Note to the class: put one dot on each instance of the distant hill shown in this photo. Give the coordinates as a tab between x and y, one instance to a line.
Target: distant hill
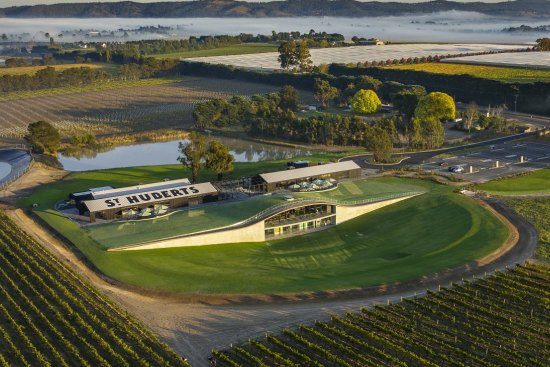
293	8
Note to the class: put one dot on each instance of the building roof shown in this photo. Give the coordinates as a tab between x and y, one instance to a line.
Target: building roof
313	171
157	194
105	192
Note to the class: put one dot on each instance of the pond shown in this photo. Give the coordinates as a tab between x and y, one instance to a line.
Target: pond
5	169
149	154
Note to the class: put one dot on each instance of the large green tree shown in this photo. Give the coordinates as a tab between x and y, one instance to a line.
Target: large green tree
406	100
379	142
193	153
426	133
303	57
324	92
543	44
287	54
436	105
365	101
218	158
43	137
290	99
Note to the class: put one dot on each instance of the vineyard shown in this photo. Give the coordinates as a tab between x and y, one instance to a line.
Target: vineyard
120	110
506	74
51	317
501	320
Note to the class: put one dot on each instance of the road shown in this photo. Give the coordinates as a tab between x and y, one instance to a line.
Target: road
416	158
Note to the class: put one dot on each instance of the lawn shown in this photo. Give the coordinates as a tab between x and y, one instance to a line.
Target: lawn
535	182
423	235
239	49
505	74
31	70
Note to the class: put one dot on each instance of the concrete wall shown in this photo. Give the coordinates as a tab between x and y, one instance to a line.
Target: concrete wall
252	233
347	212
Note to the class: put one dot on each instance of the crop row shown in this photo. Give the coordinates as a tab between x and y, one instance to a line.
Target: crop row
119	110
502	320
49	316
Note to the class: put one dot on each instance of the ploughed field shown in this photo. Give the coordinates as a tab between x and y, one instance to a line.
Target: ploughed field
498	321
49	316
119	108
430	233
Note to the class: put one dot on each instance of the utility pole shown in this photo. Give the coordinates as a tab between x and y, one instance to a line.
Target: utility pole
516	102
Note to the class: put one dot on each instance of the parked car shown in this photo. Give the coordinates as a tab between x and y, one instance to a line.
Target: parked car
456	169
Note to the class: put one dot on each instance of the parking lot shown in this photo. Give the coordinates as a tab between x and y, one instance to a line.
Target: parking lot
487	163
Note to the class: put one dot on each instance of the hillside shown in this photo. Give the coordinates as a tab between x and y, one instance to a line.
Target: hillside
231	8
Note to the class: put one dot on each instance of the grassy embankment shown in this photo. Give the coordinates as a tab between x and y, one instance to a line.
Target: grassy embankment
504	74
531	183
239	49
536	211
427	234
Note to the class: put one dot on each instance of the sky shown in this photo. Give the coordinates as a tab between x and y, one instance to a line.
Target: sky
6	3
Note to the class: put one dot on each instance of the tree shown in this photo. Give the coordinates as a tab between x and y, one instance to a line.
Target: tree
470	115
368	82
426	133
287	54
218	158
543	44
303	57
193	153
365	101
290	99
379	142
43	137
437	105
324	92
406	100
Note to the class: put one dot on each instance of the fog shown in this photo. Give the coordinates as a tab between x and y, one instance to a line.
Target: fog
450	26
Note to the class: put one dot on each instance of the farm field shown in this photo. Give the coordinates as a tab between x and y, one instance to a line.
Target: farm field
539	60
239	49
49	316
31	70
138	107
535	182
355	54
505	74
501	320
536	211
398	240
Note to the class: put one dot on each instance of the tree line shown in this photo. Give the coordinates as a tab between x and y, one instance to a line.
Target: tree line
49	77
275	115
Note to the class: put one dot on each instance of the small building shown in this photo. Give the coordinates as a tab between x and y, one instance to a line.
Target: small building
281	180
371	42
148	200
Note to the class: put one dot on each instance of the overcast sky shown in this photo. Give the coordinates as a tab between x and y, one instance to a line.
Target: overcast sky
5	3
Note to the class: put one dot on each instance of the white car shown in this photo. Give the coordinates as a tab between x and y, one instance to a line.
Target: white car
456	169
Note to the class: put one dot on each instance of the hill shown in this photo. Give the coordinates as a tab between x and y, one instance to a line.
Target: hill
295	8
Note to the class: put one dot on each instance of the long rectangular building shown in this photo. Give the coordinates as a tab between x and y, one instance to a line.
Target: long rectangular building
282	179
148	200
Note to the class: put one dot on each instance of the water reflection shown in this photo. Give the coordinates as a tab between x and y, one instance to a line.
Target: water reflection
5	169
167	153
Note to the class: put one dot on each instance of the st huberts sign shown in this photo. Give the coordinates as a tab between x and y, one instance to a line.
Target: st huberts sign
151	196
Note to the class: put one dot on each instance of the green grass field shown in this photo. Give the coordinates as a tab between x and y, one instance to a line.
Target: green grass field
426	234
505	74
535	182
239	49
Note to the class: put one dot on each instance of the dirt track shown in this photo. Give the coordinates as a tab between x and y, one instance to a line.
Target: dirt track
193	329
